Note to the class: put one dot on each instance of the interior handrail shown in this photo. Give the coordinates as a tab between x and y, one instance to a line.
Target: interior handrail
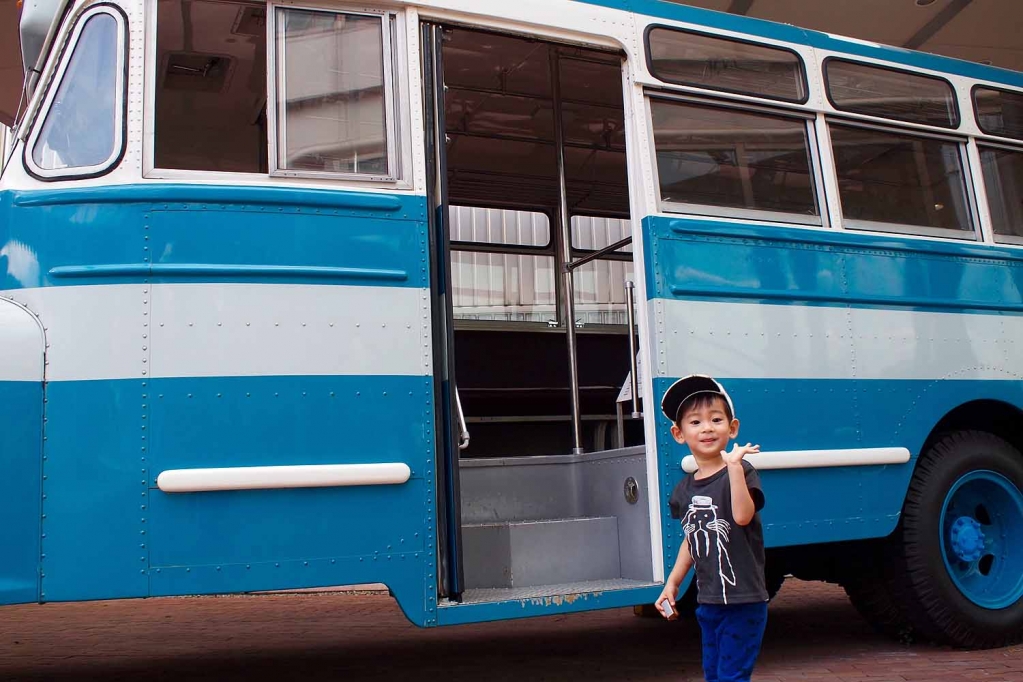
597	254
463	429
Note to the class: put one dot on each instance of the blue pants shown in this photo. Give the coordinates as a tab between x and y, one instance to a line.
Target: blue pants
731	639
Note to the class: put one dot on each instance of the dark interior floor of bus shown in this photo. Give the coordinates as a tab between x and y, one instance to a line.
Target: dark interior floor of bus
538	520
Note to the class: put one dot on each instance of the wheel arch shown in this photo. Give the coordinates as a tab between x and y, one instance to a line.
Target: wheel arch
997	417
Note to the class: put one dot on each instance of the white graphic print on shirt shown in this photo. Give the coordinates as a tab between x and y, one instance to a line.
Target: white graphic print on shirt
701	525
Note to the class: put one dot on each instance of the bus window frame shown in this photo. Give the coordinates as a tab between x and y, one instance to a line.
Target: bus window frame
63	61
976	112
391	31
734	39
981	143
820	220
500	247
975	234
886	67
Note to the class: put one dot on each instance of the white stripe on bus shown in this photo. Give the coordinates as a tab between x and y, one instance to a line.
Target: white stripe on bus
755	341
124	331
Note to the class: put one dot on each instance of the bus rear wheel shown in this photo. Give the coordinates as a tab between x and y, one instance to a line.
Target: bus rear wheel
957	571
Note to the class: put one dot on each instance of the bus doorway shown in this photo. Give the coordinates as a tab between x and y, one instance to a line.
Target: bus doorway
544	491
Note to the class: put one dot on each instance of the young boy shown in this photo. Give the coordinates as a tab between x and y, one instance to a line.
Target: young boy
718	506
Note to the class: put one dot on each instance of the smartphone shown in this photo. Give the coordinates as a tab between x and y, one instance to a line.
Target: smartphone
668	611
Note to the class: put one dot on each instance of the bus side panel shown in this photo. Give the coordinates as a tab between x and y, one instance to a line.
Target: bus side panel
292	328
830	341
21	438
281	536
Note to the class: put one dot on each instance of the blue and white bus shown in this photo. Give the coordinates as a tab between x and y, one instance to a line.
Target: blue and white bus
314	293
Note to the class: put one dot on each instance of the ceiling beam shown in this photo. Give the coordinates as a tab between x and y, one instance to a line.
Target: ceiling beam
740	6
938	22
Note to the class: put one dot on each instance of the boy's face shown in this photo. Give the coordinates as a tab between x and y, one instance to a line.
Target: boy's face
706	429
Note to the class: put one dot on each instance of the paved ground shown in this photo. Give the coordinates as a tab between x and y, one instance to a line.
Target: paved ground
812	634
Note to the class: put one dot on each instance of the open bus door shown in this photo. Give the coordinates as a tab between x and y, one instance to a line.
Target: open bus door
541	512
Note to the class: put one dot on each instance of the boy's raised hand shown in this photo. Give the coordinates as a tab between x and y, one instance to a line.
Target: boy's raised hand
738	452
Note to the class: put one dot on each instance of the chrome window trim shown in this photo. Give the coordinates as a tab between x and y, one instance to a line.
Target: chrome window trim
770	108
842	120
912	230
54	85
277	121
698	210
817	163
999	144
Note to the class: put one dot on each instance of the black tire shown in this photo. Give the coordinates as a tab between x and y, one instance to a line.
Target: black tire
917	580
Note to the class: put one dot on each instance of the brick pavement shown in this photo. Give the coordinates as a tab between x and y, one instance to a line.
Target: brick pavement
813	634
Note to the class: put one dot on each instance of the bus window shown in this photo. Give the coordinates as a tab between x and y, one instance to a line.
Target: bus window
335	105
999	112
600	284
211	86
82	132
497	226
493	282
1003	180
899	182
714	62
710	156
890	93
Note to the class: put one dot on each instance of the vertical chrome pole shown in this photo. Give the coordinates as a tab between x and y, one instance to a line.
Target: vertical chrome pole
620	423
565	254
630	299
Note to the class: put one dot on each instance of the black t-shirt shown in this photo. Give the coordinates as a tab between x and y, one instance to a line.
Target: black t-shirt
729	558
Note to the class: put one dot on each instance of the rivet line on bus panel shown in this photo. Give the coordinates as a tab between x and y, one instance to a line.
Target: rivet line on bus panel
146	297
45	469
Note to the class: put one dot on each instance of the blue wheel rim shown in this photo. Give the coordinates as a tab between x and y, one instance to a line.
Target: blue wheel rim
982	538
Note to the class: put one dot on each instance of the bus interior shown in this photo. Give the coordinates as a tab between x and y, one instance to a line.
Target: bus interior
541	514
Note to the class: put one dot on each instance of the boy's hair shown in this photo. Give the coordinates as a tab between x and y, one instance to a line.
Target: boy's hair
699	400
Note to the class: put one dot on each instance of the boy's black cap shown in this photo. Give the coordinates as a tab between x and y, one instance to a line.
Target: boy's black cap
685	388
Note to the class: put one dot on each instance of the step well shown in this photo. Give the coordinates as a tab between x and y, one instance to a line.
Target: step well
533	553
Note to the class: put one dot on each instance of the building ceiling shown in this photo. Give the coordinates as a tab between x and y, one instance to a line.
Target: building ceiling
986	31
